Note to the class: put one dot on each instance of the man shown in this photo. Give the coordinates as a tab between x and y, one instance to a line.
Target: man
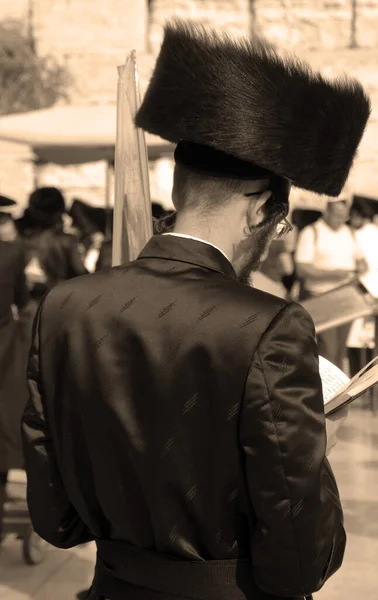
176	414
328	255
277	265
361	338
52	254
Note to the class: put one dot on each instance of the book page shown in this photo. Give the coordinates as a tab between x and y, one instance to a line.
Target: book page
368	379
340	306
339	390
365	369
370	282
333	379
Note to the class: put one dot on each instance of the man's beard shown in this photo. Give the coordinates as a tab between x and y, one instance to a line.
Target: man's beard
259	243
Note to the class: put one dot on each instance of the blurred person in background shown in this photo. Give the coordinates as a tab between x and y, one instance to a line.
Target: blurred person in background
365	230
52	255
278	265
361	339
95	226
104	260
105	255
8	230
300	218
96	242
13	360
328	255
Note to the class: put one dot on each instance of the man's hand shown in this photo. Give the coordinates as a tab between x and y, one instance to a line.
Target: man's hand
333	424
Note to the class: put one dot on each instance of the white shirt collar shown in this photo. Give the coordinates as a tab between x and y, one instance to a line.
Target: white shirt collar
190	237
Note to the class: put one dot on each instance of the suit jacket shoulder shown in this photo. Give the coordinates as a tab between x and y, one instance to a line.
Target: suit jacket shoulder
118	283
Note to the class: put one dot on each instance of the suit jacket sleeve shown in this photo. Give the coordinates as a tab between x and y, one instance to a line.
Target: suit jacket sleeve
299	540
53	516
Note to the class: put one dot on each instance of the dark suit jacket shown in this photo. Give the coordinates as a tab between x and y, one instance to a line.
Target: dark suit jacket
13	354
176	417
12	277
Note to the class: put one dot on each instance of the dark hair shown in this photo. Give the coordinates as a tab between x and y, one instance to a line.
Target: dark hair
157	210
165	223
362	209
274	212
46	207
207	194
48	199
201	191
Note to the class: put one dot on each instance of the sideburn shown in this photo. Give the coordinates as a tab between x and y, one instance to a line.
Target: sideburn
252	249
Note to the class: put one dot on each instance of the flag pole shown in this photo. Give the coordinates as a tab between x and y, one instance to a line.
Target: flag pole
132	227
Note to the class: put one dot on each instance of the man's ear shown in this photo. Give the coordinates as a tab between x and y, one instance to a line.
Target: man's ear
256	209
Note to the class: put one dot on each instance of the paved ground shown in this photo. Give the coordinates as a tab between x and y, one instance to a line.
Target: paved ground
355	461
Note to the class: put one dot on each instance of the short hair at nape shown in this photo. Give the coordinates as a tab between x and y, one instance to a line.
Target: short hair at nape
195	190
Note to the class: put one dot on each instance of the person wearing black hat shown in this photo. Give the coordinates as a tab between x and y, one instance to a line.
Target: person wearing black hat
52	254
13	361
13	355
176	414
362	212
95	233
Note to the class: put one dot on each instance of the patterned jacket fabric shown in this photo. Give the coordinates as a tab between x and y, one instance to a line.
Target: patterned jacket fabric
176	417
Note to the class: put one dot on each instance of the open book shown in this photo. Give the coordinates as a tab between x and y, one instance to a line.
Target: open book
342	305
338	389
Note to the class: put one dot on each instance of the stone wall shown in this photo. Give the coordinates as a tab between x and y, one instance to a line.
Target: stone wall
234	15
319	24
91	38
14	10
15	168
310	24
367	23
363	65
323	31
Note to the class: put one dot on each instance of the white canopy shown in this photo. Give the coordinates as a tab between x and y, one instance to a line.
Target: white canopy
71	134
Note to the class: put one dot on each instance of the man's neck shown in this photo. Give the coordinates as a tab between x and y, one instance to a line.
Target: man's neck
207	236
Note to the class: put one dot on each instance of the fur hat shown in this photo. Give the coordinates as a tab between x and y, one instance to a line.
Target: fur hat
242	98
